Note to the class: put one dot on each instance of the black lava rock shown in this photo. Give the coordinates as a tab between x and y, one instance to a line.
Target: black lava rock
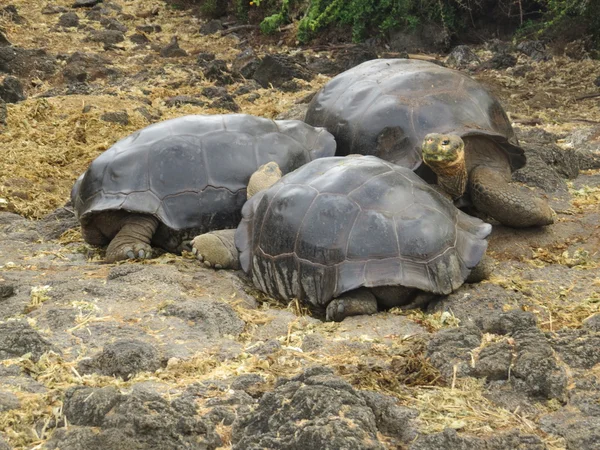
11	90
18	338
69	20
123	358
277	69
120	117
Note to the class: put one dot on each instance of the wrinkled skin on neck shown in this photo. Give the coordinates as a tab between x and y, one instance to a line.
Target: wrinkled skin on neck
445	154
485	172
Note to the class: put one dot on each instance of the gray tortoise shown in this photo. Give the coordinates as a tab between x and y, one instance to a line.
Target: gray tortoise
173	180
337	225
406	111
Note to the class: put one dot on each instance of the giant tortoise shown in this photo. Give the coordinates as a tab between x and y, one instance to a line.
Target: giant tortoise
178	178
336	225
406	111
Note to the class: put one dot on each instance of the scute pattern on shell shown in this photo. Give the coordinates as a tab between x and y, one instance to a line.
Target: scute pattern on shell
385	107
337	224
192	171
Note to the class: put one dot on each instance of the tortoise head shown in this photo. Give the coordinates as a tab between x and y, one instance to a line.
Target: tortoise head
265	176
443	150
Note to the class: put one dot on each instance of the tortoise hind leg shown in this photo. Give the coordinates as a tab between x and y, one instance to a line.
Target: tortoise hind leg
492	194
93	235
133	238
217	249
354	303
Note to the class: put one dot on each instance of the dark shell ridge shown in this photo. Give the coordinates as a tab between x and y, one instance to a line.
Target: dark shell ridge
385	107
192	172
337	224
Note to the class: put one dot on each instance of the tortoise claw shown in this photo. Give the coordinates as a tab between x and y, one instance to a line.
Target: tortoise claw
130	254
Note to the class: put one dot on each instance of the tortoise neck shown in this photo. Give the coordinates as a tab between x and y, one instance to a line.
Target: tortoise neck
452	177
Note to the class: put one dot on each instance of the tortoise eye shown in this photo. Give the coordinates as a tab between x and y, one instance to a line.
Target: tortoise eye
445	141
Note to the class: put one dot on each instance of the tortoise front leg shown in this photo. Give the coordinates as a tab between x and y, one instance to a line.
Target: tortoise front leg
217	249
133	238
492	194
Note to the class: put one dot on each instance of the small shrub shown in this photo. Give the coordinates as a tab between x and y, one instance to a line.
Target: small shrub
213	9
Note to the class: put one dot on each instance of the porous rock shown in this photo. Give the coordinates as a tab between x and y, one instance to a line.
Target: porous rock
215	318
332	414
245	63
8	401
493	362
226	102
211	27
53	9
11	90
123	358
278	69
142	420
12	13
112	24
578	348
586	143
585	395
216	70
172	49
536	50
474	304
538	173
535	368
580	432
18	338
539	143
449	439
106	37
26	62
462	57
69	20
7	290
139	38
450	348
53	225
392	419
88	405
120	117
501	60
149	28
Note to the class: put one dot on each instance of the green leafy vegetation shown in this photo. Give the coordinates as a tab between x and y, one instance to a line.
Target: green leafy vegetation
365	18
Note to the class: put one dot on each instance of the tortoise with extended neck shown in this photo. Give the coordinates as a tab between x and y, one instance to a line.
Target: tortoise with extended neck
349	235
173	180
408	111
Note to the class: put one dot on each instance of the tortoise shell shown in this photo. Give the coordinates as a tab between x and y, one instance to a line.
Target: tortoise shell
337	224
385	107
192	171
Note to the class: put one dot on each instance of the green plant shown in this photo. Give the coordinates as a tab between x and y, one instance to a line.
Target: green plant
361	15
213	8
241	9
273	22
560	10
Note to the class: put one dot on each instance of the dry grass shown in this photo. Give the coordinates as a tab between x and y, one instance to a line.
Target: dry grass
49	142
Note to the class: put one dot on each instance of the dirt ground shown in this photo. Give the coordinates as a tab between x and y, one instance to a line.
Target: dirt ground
169	354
